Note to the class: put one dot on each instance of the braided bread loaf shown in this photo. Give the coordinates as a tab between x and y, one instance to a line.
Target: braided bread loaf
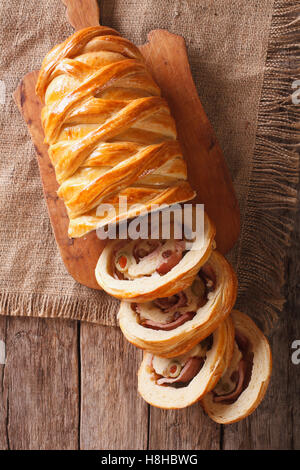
110	133
202	367
253	367
164	268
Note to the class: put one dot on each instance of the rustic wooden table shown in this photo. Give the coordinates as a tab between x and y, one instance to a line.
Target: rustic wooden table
67	385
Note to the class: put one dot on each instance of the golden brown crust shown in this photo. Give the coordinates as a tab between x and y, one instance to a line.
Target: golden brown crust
109	131
111	135
251	397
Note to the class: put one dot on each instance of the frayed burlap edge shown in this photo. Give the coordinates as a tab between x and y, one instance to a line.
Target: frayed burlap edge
63	307
272	192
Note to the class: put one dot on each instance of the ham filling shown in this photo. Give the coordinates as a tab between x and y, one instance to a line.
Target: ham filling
237	377
139	258
188	372
181	370
171	312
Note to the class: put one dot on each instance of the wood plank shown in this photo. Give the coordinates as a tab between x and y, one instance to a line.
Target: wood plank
40	384
113	416
187	429
292	318
207	169
4	444
269	427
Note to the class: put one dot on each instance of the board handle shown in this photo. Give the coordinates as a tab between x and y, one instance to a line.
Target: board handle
82	13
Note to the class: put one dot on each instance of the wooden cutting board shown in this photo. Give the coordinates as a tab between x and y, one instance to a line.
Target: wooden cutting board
166	57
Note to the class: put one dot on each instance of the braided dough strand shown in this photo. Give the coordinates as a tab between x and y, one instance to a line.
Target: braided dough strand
109	131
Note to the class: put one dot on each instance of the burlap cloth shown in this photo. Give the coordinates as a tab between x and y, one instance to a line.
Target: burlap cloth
242	58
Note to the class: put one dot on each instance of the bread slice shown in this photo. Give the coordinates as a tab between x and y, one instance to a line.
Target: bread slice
254	392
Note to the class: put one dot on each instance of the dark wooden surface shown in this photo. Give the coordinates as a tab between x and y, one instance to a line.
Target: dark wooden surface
69	386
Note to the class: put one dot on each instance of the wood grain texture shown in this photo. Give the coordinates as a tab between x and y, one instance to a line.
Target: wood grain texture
276	422
188	429
40	384
82	13
79	255
207	168
113	416
264	428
